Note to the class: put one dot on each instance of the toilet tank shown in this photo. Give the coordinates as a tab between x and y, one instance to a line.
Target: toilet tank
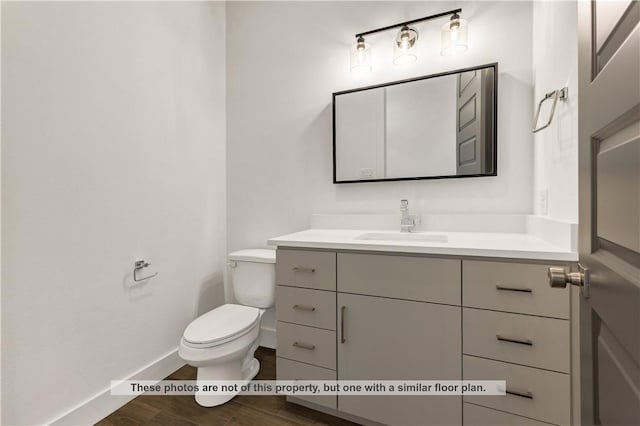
253	276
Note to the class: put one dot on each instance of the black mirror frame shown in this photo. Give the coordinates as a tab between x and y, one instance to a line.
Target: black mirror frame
493	65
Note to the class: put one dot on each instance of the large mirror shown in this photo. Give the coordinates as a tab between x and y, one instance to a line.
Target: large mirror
436	126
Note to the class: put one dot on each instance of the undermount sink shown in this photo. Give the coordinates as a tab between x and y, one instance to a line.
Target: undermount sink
404	236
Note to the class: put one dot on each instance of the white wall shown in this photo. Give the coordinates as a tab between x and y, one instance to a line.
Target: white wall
279	119
113	150
555	59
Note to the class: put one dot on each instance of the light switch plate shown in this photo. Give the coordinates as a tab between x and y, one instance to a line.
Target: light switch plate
544	201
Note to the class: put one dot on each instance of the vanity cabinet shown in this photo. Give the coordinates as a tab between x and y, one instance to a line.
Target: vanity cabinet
358	316
516	328
306	315
369	316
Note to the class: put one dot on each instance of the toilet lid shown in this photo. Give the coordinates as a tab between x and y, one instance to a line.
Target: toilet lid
221	323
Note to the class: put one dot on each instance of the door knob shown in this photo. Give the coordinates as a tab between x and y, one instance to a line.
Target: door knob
559	278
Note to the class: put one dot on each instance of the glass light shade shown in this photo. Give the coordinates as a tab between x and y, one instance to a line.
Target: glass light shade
454	37
361	57
404	47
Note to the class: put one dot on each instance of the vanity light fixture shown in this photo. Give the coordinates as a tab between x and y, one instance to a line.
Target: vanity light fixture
404	49
361	56
404	46
454	36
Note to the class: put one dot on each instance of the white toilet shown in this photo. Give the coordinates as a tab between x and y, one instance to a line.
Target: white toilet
221	343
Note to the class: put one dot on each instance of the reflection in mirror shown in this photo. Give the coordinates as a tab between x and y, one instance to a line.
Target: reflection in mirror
430	127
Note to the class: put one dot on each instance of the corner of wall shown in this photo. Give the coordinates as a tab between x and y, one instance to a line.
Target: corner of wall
555	61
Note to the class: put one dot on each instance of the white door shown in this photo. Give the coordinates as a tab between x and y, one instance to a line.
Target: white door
609	186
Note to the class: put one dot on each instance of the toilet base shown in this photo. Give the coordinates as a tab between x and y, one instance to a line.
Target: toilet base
225	372
230	361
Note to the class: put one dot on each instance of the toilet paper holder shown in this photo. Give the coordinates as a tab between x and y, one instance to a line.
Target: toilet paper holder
137	267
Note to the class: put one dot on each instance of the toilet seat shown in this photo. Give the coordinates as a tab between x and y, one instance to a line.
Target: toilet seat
220	325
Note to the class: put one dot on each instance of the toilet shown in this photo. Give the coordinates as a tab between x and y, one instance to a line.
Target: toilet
222	342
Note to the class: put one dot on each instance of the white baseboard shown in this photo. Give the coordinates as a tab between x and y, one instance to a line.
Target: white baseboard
268	337
102	404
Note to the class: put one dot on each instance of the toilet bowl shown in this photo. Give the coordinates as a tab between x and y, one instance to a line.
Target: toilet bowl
222	342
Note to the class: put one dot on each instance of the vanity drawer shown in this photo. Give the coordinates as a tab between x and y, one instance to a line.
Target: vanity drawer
306	268
306	344
292	370
474	415
400	277
506	337
315	308
512	287
549	392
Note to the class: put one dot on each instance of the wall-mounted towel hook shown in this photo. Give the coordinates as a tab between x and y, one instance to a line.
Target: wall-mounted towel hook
138	266
561	94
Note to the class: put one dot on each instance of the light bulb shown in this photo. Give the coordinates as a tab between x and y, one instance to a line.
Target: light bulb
405	46
454	36
361	56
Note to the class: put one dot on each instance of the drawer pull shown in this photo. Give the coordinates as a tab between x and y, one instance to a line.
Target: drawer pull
512	340
304	308
304	346
521	394
342	338
518	289
303	269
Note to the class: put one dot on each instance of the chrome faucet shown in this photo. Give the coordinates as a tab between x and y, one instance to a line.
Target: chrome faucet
408	221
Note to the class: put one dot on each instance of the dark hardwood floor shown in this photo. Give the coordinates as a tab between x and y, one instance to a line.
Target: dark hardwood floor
242	410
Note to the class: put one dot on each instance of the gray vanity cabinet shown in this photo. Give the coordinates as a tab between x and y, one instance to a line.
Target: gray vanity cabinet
390	329
390	339
306	314
516	328
386	316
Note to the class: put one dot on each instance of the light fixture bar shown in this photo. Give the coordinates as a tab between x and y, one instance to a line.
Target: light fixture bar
407	23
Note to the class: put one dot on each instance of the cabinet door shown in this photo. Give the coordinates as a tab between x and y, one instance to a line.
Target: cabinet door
390	339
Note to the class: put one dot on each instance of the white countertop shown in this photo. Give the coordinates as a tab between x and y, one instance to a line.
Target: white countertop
485	244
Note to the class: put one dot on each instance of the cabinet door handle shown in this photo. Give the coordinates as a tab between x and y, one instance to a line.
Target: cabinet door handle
304	346
521	394
518	289
304	308
303	269
342	338
514	340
